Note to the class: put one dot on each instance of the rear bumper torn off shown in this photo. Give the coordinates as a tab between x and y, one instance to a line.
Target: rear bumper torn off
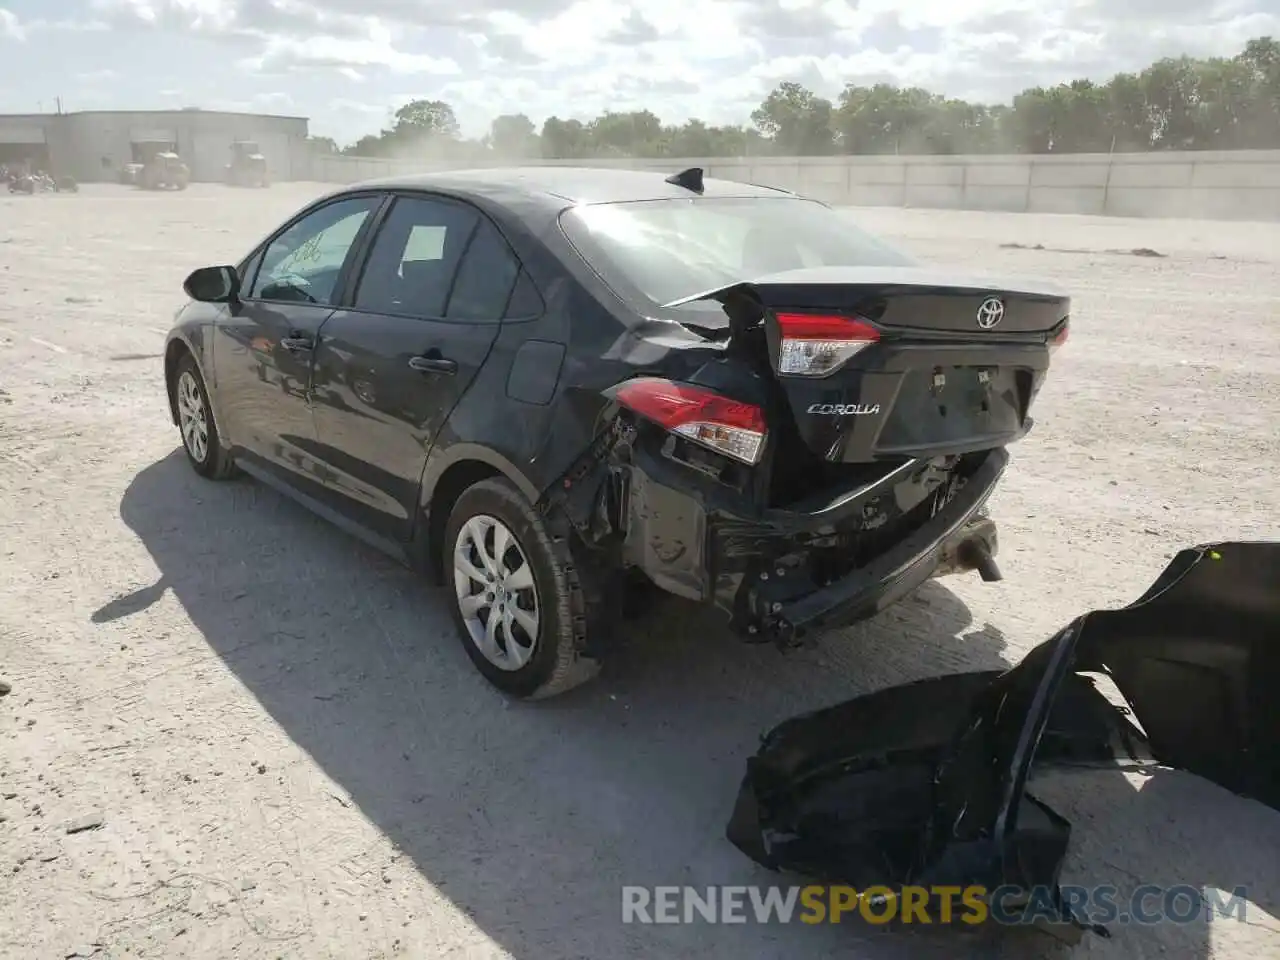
896	572
928	785
784	572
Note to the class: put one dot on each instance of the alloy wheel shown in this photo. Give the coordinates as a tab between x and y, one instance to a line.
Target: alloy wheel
496	592
192	417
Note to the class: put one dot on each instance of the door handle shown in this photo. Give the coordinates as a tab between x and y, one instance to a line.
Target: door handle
433	363
296	344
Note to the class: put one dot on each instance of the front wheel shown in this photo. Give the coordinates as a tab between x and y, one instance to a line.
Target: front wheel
515	593
200	439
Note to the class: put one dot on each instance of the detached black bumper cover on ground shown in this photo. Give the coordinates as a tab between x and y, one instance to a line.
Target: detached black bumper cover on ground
926	783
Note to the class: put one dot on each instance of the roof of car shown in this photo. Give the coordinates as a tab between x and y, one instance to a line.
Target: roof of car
570	184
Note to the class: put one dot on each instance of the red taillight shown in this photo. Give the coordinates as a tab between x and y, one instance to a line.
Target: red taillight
814	345
1060	336
730	427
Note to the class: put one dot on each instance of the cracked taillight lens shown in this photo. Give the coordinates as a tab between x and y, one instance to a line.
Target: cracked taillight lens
730	427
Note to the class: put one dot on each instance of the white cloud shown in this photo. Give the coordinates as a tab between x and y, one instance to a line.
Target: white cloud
270	102
343	105
199	15
10	27
346	56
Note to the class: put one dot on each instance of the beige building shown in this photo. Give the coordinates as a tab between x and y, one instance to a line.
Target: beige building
92	145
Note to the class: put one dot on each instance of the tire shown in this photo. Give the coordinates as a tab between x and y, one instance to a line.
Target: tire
212	460
552	662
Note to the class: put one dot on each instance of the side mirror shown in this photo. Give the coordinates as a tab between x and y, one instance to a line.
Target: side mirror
213	285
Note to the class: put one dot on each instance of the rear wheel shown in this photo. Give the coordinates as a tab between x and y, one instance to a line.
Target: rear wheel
515	593
200	438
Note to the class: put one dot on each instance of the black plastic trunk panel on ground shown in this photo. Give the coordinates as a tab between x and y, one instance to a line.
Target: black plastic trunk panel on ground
926	783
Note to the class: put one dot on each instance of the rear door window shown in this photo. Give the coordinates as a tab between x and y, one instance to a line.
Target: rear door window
485	279
525	302
414	258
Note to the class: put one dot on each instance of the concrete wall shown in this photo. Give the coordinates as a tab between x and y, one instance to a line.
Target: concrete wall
93	145
203	139
1237	185
24	128
27	140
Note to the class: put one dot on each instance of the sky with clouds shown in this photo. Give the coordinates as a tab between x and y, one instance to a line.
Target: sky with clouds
347	63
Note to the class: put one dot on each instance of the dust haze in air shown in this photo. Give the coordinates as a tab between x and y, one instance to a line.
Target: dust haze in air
1136	144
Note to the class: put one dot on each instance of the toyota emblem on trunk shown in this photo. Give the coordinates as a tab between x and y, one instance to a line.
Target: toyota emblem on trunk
990	313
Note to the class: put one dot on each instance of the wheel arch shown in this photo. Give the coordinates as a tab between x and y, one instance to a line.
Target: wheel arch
444	480
174	351
180	346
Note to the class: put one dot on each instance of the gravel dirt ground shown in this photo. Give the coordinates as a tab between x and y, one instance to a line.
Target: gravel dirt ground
282	750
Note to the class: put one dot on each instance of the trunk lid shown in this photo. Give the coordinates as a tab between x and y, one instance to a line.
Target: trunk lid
876	363
925	299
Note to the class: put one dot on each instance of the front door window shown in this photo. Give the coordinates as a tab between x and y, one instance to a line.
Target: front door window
304	263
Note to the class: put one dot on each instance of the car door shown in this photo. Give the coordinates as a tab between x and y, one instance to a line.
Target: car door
390	368
264	348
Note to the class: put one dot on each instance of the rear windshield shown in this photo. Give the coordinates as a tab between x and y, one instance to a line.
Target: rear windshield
653	252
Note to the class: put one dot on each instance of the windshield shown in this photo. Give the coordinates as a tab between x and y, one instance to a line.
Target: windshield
653	252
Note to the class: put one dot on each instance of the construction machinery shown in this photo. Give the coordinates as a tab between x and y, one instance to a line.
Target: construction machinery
165	171
142	153
248	166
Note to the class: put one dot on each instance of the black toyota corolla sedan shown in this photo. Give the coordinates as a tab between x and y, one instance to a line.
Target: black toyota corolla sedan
549	387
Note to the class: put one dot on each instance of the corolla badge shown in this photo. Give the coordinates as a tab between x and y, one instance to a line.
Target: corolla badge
844	409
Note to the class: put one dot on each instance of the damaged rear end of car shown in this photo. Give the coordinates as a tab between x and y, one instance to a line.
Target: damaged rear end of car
806	447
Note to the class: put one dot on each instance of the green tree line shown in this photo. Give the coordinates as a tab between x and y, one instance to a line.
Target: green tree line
1182	103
